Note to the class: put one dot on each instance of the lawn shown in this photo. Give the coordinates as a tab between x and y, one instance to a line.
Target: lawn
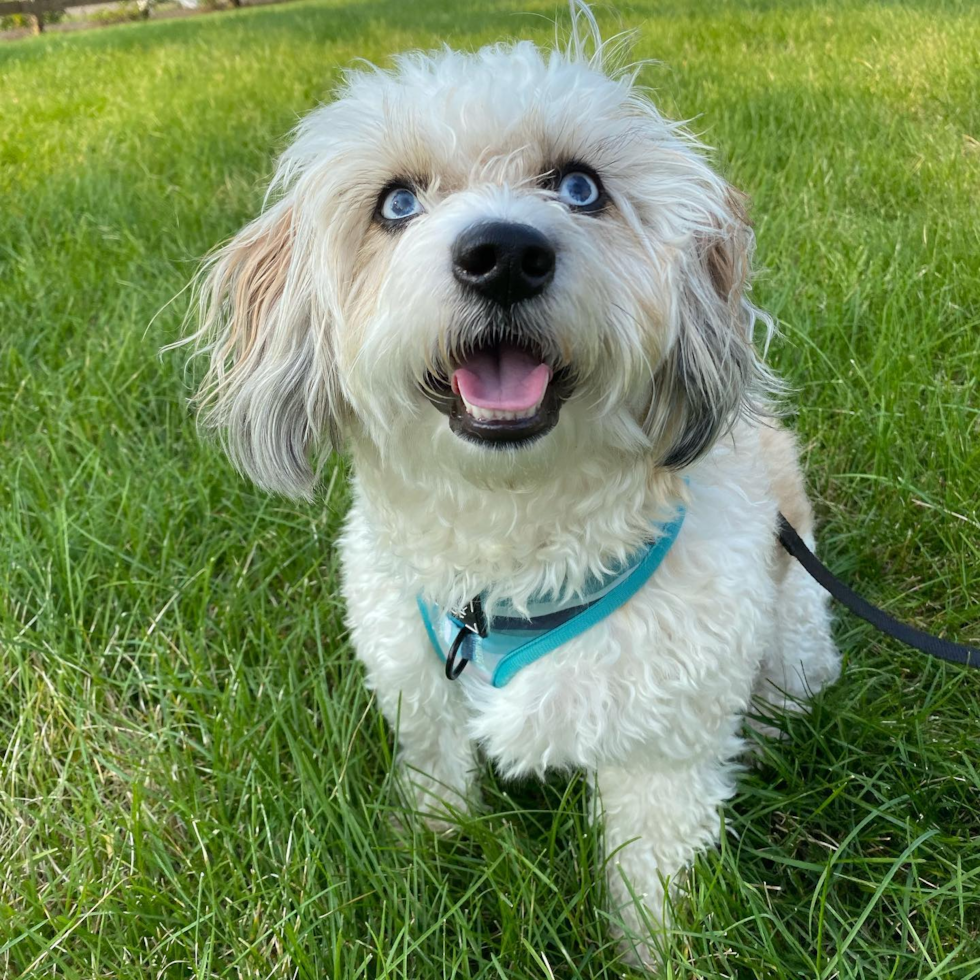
193	782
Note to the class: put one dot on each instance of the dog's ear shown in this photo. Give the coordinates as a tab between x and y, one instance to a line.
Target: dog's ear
711	375
270	386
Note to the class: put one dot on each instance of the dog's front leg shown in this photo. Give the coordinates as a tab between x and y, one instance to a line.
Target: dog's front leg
437	761
657	816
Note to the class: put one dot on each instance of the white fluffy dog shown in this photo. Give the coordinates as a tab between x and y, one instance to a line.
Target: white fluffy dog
518	295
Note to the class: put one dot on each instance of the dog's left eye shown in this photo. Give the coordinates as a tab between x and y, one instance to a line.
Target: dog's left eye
399	203
578	189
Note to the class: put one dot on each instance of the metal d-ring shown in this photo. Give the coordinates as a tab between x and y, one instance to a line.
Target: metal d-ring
471	620
453	670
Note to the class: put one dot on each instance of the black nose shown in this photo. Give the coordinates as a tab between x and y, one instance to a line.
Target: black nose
503	261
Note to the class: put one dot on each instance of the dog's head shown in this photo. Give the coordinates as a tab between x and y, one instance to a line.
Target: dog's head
491	262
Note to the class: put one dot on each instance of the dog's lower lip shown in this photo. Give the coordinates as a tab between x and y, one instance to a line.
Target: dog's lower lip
513	432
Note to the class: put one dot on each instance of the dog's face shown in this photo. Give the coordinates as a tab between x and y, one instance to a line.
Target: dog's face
486	264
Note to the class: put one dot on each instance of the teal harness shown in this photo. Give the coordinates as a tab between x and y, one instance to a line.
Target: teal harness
497	649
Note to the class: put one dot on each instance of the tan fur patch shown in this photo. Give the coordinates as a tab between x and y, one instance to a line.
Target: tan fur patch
258	273
781	456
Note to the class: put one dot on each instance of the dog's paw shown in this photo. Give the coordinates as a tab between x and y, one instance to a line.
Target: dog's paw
638	955
439	806
635	943
444	826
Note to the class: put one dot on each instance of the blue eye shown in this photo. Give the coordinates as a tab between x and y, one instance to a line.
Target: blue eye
400	203
579	190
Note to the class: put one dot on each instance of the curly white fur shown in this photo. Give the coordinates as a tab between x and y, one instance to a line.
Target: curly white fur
323	326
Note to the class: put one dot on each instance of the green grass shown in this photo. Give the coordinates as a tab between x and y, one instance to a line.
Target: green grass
194	783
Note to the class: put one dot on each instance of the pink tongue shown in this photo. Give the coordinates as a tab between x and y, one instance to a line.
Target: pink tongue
506	379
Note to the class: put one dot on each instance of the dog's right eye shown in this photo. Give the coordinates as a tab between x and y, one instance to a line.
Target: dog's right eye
398	204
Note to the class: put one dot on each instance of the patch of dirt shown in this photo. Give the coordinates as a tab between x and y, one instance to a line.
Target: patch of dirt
81	24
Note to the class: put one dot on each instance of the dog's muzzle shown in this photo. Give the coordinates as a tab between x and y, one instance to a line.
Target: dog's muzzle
503	391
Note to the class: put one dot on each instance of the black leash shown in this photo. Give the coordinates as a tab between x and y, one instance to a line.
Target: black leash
933	645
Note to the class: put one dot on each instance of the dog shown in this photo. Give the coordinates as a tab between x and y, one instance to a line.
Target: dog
518	296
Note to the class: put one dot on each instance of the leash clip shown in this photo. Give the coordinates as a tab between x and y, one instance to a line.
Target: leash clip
473	622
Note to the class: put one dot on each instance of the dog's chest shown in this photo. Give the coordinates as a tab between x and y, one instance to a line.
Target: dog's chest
665	673
662	674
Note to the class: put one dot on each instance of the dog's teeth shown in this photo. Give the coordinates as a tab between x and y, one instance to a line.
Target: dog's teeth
494	414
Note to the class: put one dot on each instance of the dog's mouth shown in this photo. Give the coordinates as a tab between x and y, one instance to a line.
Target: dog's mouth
500	394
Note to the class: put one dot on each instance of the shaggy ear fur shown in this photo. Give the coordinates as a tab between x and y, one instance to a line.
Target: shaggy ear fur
712	375
269	384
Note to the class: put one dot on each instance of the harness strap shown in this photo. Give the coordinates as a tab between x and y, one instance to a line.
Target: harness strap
943	649
501	647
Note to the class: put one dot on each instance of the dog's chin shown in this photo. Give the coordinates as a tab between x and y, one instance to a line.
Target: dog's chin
500	396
